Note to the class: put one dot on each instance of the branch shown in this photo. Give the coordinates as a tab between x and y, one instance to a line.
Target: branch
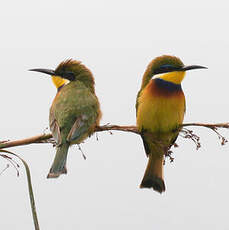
47	138
42	138
131	128
211	126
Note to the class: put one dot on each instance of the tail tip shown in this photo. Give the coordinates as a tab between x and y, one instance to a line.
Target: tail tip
53	174
156	183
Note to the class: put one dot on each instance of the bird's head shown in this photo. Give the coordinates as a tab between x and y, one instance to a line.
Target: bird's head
165	64
69	70
170	69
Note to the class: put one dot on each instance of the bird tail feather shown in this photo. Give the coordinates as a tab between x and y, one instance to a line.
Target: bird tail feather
59	163
153	177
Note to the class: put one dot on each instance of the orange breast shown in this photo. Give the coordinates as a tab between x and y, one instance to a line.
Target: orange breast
161	106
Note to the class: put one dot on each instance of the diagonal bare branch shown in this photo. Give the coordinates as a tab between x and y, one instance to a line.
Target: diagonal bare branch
47	138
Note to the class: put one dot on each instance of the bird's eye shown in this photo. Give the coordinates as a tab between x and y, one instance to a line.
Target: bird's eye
165	69
69	75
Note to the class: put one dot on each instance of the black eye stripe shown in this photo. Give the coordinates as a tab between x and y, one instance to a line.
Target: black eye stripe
69	75
166	66
165	69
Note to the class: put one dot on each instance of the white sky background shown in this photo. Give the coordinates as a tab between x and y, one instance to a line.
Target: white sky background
116	40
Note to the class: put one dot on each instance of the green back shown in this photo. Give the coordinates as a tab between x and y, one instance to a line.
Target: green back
74	102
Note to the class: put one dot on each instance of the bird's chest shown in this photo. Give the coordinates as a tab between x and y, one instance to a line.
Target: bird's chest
160	108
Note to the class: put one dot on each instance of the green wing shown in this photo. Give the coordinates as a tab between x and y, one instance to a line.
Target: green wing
136	105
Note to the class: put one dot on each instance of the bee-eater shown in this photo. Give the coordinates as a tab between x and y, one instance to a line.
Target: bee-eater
75	111
160	109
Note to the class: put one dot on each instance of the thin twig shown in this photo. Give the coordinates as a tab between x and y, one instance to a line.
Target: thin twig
3	170
217	125
12	162
30	188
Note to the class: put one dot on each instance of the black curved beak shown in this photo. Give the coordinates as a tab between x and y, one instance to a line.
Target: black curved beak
190	67
47	71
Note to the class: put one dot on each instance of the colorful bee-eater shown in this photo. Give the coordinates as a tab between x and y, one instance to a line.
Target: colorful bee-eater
160	109
75	111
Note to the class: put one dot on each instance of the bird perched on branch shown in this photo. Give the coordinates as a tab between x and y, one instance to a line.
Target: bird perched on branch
160	109
75	111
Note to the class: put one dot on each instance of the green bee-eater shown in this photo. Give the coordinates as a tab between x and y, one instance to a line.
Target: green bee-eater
160	110
75	111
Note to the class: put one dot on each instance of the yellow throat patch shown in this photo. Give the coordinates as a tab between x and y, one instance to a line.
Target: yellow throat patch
175	77
58	81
